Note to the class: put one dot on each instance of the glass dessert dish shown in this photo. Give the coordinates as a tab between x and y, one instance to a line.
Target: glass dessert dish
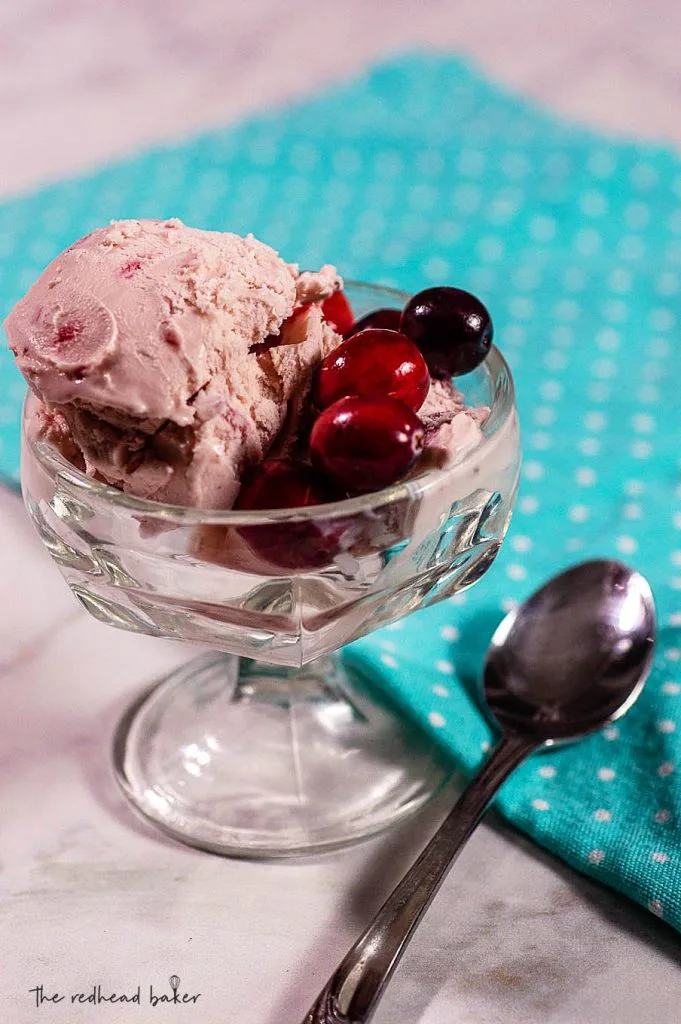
266	746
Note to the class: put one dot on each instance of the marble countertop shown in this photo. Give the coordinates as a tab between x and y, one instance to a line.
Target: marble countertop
89	894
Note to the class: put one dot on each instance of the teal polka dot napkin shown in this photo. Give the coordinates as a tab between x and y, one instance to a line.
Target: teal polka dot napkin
421	172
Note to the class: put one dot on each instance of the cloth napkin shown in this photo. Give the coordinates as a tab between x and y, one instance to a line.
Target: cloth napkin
421	172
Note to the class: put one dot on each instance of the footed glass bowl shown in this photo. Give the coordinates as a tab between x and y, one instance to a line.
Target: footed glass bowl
266	746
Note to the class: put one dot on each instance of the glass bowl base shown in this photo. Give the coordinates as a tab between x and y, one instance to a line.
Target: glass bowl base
251	760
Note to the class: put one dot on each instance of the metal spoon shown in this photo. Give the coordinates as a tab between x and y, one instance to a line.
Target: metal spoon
570	659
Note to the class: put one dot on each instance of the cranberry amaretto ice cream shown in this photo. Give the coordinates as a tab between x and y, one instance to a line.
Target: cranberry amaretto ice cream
173	363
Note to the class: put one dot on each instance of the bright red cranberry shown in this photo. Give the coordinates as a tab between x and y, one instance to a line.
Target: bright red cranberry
451	327
386	319
373	362
336	310
282	483
365	444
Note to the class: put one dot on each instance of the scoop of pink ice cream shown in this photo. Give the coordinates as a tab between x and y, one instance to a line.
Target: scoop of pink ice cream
144	341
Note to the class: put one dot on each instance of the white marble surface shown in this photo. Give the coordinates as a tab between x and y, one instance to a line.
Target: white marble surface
87	894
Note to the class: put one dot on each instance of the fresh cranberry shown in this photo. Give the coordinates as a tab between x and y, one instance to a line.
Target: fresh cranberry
364	443
451	327
373	362
336	310
282	483
386	319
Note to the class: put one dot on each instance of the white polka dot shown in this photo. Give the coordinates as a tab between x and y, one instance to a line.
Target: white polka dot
596	857
606	774
567	309
602	815
508	604
667	283
588	241
641	449
387	645
675	619
595	420
634	488
585	476
541	805
671	689
616	310
471	162
631	247
643	175
574	544
395	627
440	691
436	719
643	423
662	319
551	390
658	348
637	216
458	599
589	446
547	771
449	633
659	858
529	505
389	661
666	768
542	229
673	654
593	203
666	726
521	308
608	339
521	543
574	279
676	520
662	816
604	368
490	249
620	280
611	733
632	511
626	545
516	572
533	470
555	360
485	746
436	268
526	278
675	583
655	907
445	666
598	391
540	440
579	513
544	415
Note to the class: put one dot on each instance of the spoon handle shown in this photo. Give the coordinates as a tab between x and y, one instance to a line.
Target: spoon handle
352	993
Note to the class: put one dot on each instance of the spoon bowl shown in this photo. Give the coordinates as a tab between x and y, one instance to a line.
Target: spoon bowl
574	656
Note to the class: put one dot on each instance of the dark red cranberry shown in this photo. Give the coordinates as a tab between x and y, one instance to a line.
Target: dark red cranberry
282	483
451	327
365	444
373	362
336	310
385	319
